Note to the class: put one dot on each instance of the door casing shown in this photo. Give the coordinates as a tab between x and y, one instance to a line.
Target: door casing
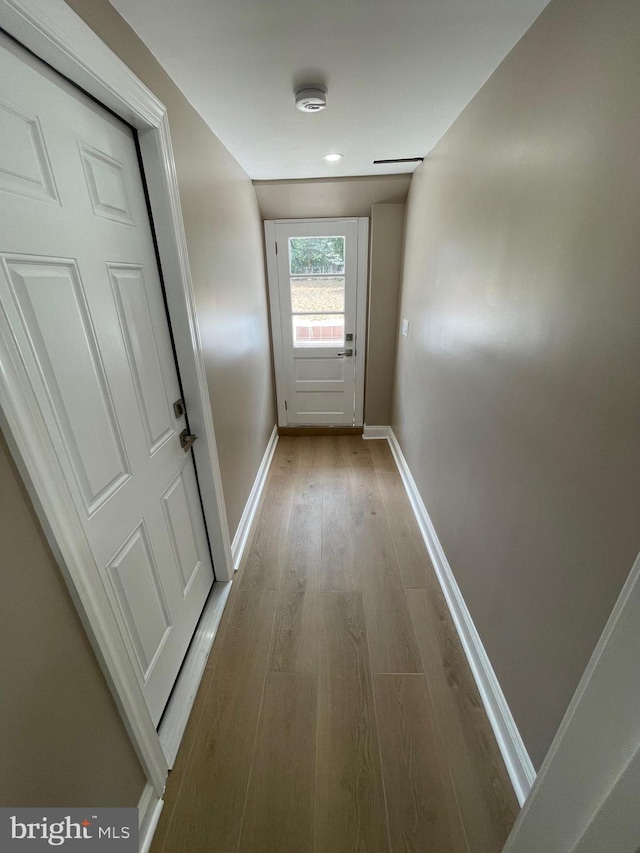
361	310
55	34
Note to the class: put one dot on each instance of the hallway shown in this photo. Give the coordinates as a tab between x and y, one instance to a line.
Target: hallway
337	711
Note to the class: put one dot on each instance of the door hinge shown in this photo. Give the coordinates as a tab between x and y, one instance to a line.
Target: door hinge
276	248
285	405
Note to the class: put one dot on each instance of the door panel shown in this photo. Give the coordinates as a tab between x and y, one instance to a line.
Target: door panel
24	164
321	407
319	369
106	184
138	589
317	270
178	515
140	341
50	297
80	289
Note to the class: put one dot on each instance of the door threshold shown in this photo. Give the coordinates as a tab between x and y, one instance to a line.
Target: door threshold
320	430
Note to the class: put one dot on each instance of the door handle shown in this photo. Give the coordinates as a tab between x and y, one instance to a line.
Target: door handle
346	352
186	440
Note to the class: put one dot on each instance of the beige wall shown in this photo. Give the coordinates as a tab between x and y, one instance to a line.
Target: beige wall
62	742
387	232
224	237
517	398
328	197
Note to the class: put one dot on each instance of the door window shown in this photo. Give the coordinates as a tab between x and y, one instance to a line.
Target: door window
317	287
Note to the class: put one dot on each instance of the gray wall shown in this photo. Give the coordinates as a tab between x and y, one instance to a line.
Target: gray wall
224	237
517	397
62	742
323	197
387	232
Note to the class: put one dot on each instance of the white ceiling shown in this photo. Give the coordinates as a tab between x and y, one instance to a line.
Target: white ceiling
398	72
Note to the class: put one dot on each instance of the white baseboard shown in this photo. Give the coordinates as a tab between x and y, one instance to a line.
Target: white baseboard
149	809
176	715
249	513
376	431
516	758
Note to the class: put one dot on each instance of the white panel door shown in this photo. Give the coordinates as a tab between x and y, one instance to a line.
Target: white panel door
316	270
81	293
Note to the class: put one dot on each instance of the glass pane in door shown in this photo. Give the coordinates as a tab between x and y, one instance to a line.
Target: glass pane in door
317	287
317	294
316	255
318	330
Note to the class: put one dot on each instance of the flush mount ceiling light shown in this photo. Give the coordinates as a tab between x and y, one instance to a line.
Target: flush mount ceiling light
332	157
311	99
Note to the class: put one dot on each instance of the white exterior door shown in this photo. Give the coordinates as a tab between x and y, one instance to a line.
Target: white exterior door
317	288
81	294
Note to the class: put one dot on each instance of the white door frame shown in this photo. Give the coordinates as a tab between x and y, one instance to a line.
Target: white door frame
53	32
361	309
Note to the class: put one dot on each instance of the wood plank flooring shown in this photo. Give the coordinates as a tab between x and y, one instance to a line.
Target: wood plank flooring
337	713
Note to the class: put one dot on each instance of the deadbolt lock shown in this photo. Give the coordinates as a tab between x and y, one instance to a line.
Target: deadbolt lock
178	408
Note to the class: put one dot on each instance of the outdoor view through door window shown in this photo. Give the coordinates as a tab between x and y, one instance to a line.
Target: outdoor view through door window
316	268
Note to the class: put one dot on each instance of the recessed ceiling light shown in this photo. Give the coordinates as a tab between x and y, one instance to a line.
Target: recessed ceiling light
332	158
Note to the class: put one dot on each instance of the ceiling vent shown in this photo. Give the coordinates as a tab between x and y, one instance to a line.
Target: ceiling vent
398	160
311	99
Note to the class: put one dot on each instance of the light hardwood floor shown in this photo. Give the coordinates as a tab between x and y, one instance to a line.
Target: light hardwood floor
337	713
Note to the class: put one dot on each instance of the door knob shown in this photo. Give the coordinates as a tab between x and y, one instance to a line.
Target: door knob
186	440
346	352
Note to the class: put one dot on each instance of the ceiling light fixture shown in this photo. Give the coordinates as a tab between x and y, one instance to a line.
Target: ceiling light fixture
332	157
310	99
